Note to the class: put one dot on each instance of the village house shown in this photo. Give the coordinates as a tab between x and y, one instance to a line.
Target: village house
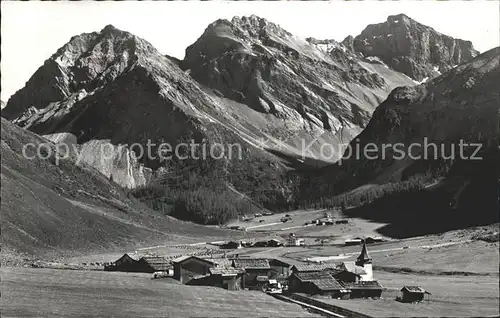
256	271
292	240
350	272
410	294
187	268
354	278
156	264
354	241
231	245
274	243
347	275
224	277
316	283
368	289
281	268
144	264
126	263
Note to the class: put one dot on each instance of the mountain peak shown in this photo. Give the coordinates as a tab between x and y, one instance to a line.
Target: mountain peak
253	20
110	28
412	48
86	61
399	17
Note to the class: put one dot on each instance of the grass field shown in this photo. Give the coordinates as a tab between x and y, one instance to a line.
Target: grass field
28	292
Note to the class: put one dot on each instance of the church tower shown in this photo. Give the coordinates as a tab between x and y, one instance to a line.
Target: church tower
365	261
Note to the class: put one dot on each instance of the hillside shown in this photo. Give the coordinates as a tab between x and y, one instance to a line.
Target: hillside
463	104
249	83
453	189
52	208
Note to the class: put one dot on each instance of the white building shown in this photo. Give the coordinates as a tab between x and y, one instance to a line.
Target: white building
292	240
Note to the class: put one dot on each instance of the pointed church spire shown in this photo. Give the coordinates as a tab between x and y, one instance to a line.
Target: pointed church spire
363	258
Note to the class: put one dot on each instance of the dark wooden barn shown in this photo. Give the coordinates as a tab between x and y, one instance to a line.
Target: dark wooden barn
126	263
315	283
227	278
410	294
151	264
187	268
231	245
282	269
254	267
368	289
145	264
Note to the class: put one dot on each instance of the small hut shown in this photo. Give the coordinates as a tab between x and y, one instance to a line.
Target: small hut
411	294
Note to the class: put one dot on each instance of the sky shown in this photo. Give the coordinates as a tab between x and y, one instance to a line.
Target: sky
32	31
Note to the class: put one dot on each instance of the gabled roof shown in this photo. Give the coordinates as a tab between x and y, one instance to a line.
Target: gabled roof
312	267
310	276
278	262
414	289
322	280
329	284
128	256
186	257
157	263
351	267
364	285
251	263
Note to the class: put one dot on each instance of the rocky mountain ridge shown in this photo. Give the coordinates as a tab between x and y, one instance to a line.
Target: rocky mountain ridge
428	122
412	48
246	81
317	85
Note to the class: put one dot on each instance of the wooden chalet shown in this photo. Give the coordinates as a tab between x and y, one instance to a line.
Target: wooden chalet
144	264
365	289
349	272
282	268
314	283
152	264
231	245
227	278
254	267
187	268
126	263
411	294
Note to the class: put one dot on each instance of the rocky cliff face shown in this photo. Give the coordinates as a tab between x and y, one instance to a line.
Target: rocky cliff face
412	48
318	87
429	152
461	106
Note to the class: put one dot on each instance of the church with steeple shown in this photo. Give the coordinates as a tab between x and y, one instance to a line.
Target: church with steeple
365	261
